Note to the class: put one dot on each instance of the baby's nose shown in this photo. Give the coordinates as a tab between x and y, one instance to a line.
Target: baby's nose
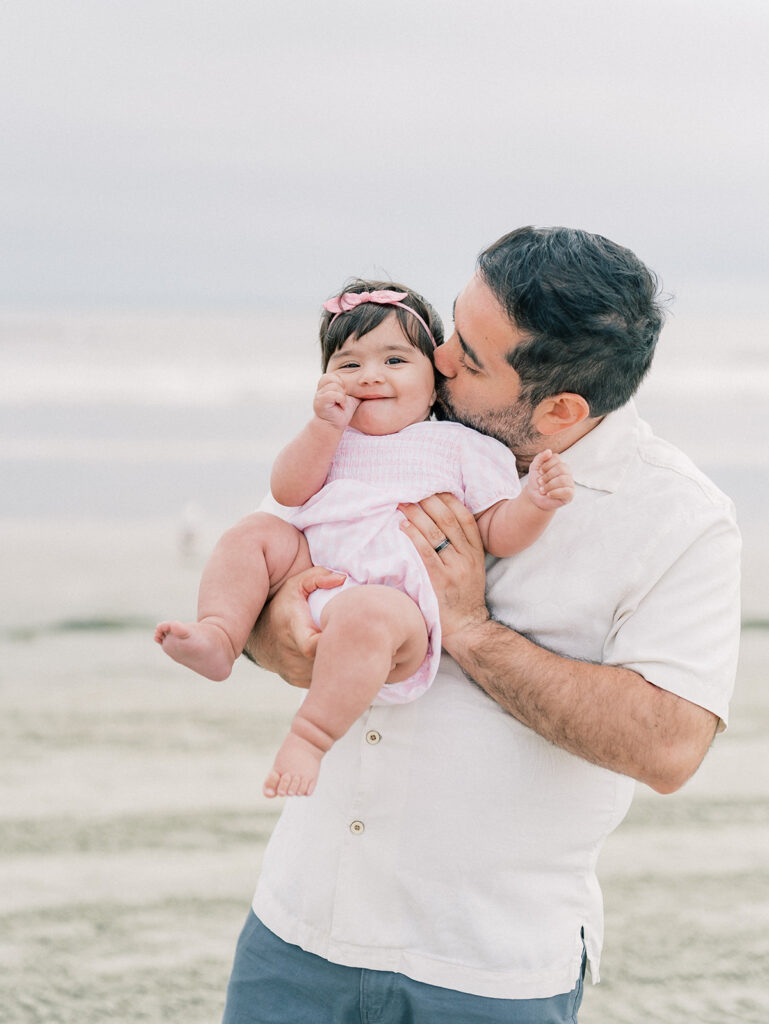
370	372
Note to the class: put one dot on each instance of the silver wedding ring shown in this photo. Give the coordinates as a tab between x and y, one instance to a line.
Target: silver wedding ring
443	544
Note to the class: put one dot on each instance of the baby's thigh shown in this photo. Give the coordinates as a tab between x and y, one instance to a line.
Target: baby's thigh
284	547
381	614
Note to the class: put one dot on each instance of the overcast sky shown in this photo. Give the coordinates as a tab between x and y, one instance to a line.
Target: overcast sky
235	154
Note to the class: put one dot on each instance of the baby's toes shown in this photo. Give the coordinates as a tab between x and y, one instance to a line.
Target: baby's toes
296	785
270	787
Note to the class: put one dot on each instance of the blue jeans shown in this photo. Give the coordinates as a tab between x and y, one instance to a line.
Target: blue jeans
273	982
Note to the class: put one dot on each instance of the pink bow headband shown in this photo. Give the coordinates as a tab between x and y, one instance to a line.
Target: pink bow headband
351	300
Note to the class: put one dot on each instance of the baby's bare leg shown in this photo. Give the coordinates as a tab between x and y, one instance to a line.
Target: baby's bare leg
247	566
371	635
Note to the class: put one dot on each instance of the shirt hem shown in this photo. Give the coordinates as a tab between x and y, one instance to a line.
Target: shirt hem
421	967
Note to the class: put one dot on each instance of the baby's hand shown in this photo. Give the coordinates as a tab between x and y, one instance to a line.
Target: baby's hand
331	402
550	484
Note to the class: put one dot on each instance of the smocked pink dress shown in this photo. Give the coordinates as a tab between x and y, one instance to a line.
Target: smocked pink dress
352	524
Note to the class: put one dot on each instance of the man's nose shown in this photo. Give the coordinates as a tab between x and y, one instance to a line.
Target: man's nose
444	361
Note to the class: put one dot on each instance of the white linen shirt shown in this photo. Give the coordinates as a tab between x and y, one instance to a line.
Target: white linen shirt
450	843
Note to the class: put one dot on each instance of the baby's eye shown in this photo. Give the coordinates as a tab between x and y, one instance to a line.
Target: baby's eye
349	365
393	360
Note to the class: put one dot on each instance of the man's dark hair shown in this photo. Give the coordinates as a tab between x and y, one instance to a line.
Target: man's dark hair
590	308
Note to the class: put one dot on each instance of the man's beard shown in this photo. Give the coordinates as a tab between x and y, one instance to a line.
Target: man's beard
513	426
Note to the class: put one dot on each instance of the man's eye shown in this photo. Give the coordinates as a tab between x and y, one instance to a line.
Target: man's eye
466	366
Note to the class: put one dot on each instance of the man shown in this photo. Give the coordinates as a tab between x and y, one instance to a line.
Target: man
444	868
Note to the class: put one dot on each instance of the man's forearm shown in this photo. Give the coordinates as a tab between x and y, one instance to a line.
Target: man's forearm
610	716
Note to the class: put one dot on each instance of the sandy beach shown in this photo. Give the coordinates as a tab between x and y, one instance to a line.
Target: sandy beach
133	822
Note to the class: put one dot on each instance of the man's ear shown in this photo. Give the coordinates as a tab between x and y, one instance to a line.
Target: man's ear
561	412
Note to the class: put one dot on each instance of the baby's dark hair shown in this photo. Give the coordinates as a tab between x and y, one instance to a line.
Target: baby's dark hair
364	318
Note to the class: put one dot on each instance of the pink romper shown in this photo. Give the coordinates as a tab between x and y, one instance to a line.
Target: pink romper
352	523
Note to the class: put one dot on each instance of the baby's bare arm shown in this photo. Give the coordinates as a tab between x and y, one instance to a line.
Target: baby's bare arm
512	525
301	468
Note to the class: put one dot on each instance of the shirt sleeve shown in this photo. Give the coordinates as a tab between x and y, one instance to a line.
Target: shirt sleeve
682	633
489	472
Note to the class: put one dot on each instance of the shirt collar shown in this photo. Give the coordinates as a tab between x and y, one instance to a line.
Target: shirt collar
600	459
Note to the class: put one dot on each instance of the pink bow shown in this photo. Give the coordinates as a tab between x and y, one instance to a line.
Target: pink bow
351	300
344	303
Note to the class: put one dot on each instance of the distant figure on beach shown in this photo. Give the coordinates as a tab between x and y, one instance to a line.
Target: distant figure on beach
369	446
190	530
445	867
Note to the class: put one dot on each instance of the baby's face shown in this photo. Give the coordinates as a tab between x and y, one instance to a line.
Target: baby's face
393	380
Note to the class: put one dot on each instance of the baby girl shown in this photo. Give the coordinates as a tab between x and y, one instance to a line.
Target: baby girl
369	446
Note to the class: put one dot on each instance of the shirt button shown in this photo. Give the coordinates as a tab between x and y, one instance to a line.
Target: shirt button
372	736
357	828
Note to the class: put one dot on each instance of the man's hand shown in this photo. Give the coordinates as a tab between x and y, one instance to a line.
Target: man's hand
285	637
610	716
457	572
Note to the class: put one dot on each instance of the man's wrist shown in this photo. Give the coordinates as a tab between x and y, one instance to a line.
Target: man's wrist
249	656
255	649
466	644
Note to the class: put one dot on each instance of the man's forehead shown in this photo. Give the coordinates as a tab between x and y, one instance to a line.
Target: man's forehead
484	329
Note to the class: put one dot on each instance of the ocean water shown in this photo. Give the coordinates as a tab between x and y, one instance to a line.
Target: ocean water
134	417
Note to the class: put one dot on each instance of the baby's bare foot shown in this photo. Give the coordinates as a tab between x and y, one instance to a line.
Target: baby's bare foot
296	768
202	646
